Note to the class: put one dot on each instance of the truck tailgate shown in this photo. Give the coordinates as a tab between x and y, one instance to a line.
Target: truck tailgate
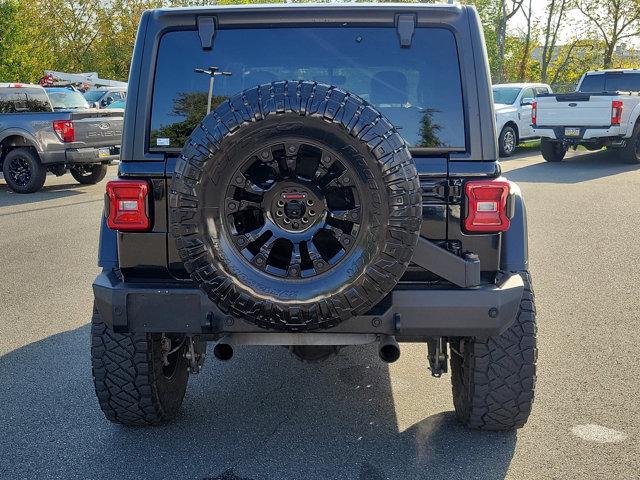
98	128
574	109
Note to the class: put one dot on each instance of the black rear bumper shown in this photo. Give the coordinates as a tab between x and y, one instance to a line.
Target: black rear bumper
409	314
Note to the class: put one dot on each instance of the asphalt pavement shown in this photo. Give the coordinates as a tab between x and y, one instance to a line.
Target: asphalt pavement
266	416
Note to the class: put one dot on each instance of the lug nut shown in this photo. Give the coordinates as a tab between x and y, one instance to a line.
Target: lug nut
280	203
312	212
287	221
265	154
292	148
293	271
309	202
232	206
259	260
305	220
346	180
239	180
279	213
295	225
346	241
241	241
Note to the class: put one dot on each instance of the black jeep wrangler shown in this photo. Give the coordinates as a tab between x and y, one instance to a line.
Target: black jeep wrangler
344	189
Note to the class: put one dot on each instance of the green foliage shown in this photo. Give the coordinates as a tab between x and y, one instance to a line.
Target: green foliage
98	35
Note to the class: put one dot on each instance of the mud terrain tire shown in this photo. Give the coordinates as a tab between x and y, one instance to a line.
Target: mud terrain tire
312	139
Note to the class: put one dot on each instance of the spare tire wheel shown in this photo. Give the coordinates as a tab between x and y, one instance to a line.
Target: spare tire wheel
295	205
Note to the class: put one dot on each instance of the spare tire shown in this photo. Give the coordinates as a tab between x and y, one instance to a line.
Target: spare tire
295	205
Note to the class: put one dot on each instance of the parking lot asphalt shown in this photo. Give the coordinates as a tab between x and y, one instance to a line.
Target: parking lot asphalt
266	416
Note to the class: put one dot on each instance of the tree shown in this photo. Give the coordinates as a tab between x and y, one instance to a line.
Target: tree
556	10
525	56
614	20
506	11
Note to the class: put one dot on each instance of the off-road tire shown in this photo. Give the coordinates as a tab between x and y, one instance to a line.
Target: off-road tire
507	148
89	174
27	159
314	112
630	153
552	151
493	380
128	376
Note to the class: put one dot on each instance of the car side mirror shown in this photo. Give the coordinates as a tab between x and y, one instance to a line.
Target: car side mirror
526	101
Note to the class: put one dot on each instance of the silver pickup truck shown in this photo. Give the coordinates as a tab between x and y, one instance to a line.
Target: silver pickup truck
35	139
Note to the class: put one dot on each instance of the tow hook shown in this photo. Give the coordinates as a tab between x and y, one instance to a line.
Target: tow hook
195	354
437	353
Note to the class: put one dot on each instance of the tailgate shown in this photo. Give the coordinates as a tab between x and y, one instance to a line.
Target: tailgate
574	110
98	128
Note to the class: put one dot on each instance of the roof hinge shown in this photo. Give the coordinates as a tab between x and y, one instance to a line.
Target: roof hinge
406	25
206	31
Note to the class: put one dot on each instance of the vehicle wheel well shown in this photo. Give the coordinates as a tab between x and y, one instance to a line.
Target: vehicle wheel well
513	125
14	141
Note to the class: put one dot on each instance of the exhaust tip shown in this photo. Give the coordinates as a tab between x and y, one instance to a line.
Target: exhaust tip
389	352
223	351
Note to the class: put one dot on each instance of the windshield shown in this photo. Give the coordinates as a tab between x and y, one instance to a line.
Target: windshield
67	100
505	95
418	89
94	95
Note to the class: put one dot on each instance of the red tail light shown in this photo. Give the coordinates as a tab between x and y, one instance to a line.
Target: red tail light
534	113
486	206
127	205
65	130
616	112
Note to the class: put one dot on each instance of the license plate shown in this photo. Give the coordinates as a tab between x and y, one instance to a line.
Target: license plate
104	152
572	132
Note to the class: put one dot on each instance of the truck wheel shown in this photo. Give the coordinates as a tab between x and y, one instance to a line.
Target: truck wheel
552	151
630	153
493	379
89	174
23	171
295	205
507	141
140	379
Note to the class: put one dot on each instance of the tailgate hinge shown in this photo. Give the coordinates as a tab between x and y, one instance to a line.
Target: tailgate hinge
454	194
406	26
206	31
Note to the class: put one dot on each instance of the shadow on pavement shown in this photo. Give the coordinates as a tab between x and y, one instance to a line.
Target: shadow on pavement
575	168
48	192
263	415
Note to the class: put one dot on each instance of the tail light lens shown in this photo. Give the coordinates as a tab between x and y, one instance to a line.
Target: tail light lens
616	112
534	113
486	206
127	205
65	130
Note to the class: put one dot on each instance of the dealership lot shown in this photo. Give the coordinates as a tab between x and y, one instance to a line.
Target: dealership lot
264	415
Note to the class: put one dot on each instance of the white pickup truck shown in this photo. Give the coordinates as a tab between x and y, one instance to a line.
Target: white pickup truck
513	105
602	112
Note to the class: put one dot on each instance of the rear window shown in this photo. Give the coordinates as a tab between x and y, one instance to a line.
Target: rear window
623	82
592	84
610	82
417	88
23	100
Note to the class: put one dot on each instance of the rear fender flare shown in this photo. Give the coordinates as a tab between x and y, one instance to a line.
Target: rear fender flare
633	119
514	254
30	139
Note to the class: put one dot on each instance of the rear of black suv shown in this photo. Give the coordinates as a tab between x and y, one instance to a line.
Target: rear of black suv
344	190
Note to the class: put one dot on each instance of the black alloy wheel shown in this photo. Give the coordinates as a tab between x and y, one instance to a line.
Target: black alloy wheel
294	209
20	171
